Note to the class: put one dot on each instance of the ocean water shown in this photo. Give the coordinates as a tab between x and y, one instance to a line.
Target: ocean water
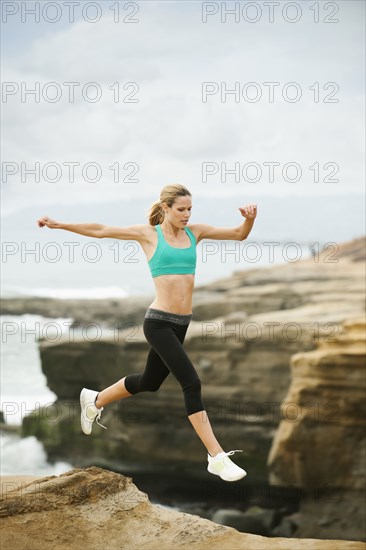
26	456
23	389
23	384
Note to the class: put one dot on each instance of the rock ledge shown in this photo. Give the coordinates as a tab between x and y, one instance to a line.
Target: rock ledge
96	508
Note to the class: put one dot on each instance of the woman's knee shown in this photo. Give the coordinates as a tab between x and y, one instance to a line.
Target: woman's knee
135	383
151	387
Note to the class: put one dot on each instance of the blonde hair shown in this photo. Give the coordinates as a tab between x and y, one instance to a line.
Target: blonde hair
168	195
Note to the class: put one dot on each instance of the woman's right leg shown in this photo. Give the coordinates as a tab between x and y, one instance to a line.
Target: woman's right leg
149	380
112	393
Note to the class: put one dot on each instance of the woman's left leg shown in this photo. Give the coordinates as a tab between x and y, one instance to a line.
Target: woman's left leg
167	339
202	426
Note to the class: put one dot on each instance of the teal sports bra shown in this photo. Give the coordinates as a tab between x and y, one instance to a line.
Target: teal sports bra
169	259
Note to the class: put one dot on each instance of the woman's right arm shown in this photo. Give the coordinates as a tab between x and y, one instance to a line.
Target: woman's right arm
97	230
87	229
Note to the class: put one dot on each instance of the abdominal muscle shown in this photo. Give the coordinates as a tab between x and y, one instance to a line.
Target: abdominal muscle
174	293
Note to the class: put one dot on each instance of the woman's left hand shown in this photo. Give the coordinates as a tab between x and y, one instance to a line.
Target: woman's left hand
249	211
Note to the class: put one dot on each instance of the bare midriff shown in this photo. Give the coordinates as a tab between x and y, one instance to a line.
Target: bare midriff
174	293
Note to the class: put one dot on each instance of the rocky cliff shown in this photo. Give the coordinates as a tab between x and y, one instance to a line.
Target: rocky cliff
321	446
95	508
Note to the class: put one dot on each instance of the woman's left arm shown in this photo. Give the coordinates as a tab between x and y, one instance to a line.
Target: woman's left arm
203	231
249	212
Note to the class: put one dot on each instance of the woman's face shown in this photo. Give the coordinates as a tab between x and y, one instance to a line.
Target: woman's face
180	211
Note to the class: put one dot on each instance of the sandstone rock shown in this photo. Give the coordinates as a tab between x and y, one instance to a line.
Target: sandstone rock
95	508
321	445
328	393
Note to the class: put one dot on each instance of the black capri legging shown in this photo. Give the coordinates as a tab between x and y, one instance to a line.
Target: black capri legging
165	333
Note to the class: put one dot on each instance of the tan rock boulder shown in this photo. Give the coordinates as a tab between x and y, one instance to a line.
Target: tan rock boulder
322	438
95	508
320	445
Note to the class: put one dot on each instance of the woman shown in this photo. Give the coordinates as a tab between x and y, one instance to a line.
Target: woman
170	247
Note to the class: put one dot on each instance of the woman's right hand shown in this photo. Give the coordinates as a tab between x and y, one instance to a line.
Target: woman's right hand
48	222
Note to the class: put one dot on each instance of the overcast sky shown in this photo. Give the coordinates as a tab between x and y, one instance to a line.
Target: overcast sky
169	132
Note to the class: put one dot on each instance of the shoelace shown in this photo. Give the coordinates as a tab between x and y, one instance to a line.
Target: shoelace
231	453
97	418
227	460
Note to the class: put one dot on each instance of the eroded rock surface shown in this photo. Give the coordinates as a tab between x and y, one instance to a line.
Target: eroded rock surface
96	508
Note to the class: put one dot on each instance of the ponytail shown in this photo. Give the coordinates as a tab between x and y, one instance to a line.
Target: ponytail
156	214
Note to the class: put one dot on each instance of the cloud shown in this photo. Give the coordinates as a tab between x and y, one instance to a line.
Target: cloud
170	131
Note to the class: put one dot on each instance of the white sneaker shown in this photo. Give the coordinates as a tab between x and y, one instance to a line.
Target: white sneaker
221	465
89	411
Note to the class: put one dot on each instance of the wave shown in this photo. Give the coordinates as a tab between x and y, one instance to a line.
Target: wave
26	456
